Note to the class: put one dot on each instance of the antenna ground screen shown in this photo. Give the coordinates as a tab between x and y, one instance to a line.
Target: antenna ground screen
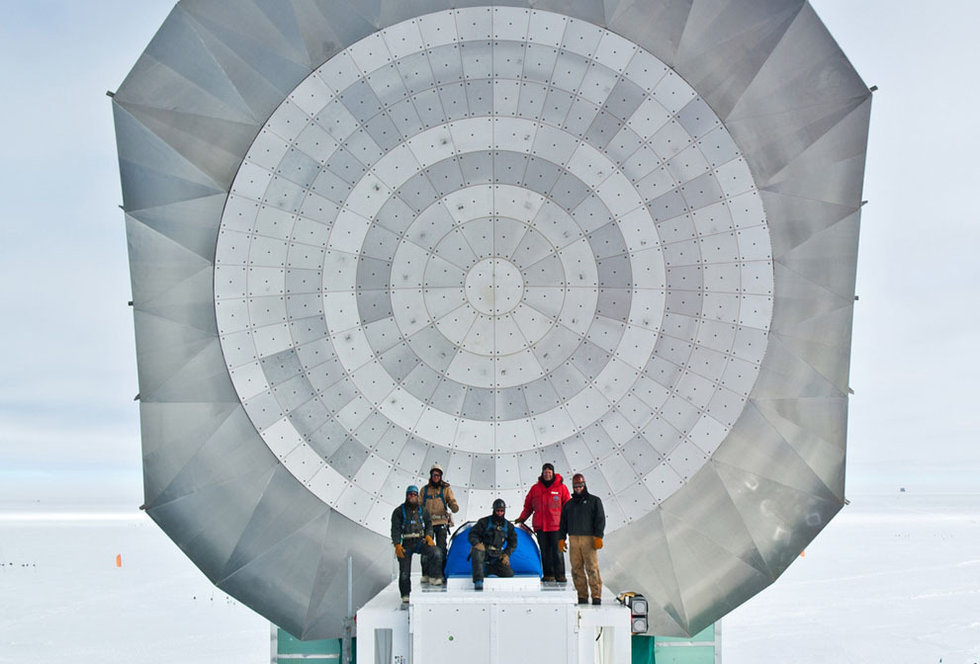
617	237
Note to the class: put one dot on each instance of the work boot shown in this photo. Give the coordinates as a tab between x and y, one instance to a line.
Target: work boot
435	581
404	599
596	601
478	585
583	600
561	579
425	580
548	579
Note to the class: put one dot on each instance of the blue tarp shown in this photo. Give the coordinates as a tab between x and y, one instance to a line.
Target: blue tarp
525	560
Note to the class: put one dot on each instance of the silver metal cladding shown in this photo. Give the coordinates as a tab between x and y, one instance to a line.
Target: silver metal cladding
619	237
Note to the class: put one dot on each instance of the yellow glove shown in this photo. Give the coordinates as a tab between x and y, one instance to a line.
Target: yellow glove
429	540
479	547
597	543
399	551
562	546
505	559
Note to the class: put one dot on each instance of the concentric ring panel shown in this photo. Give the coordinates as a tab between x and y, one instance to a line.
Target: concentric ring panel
493	237
366	236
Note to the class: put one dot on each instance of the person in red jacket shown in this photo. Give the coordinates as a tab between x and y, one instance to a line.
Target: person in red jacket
545	500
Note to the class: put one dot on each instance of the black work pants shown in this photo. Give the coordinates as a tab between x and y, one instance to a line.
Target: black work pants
552	560
484	565
431	563
440	534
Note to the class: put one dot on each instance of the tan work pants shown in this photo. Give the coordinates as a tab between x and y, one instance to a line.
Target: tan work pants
584	561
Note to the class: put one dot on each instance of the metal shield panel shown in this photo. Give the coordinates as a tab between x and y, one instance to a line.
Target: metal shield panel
615	235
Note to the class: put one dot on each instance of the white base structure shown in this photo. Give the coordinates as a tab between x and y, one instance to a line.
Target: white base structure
511	621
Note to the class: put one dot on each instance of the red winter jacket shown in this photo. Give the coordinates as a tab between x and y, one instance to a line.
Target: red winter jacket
546	503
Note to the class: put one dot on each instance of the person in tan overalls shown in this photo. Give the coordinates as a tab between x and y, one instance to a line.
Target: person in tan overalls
438	500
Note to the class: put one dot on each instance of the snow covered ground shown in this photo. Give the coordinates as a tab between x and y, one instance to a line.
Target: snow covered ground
63	599
892	579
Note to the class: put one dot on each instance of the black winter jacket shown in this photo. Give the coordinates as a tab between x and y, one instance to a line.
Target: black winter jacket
582	515
498	535
409	522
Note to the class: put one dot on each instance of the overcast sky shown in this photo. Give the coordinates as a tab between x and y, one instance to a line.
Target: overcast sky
69	427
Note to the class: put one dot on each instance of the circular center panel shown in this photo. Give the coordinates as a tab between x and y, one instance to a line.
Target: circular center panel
492	238
494	286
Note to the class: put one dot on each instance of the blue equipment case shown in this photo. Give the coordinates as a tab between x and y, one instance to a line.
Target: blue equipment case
525	560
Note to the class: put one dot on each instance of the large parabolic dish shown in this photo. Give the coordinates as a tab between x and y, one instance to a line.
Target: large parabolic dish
370	235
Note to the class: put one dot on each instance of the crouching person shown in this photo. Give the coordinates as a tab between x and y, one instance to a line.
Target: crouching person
493	539
411	532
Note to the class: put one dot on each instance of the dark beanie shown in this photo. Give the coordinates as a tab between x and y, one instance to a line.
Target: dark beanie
547	466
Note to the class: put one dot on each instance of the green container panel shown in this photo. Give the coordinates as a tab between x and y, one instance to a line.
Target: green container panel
684	654
644	649
699	649
326	650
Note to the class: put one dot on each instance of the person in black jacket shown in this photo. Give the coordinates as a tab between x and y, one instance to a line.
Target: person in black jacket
411	532
584	520
493	539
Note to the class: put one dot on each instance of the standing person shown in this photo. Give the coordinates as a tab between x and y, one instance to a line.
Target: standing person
584	520
411	532
438	500
493	539
545	500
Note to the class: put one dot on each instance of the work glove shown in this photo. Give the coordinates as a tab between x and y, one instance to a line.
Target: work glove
562	546
399	551
429	540
479	547
505	559
519	522
597	543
